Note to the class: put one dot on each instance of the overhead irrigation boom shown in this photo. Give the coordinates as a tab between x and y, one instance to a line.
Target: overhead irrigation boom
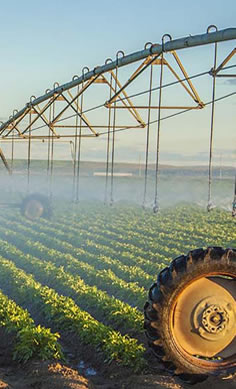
65	111
154	49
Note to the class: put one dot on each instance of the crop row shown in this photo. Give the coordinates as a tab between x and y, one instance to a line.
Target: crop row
113	250
100	240
101	262
103	279
88	297
177	222
93	253
159	238
30	340
64	314
121	237
99	259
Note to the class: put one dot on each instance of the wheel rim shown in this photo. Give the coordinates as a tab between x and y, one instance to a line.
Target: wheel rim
203	320
33	209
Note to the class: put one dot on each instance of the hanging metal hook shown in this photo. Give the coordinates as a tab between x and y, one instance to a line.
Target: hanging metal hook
163	41
15	111
47	91
150	48
117	55
108	60
56	85
94	70
32	98
83	70
148	44
212	71
210	27
75	77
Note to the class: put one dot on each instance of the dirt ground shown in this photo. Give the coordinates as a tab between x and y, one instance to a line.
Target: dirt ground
90	372
42	375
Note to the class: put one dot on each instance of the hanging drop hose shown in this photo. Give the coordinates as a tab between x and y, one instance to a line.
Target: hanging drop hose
147	138
156	205
49	142
52	152
108	143
209	202
29	155
234	201
75	145
113	132
113	148
80	139
49	148
12	151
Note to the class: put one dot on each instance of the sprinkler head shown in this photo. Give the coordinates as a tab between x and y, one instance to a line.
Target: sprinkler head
155	208
209	207
234	208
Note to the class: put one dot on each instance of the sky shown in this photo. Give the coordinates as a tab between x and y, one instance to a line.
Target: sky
51	41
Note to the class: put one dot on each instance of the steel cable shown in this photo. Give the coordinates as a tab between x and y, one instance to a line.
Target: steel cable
175	114
136	95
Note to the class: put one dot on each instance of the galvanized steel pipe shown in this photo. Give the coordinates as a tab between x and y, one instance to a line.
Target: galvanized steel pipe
176	44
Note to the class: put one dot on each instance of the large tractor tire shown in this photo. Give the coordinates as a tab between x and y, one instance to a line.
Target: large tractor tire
35	206
190	318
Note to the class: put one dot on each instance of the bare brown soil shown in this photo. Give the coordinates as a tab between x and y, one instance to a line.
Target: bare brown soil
43	375
73	375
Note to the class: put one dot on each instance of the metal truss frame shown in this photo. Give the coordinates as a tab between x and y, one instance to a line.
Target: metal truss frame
46	111
222	65
62	113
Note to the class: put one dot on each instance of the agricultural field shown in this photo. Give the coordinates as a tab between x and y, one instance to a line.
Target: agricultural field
73	288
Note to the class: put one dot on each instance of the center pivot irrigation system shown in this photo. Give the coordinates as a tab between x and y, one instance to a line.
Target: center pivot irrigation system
190	318
124	95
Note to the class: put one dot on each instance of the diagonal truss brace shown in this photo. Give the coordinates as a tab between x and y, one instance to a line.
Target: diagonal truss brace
151	61
221	66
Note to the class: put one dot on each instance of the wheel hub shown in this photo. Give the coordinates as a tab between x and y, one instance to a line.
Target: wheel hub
205	317
214	319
